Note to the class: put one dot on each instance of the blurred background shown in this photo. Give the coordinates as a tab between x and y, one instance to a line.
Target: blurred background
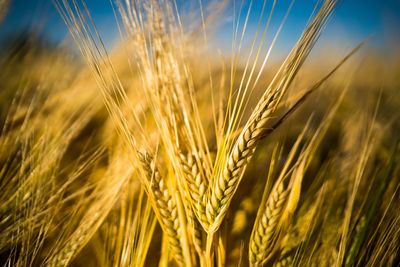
353	21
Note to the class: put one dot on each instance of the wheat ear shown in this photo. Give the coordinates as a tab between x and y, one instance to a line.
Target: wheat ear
166	207
265	232
64	257
273	216
287	257
284	261
194	224
196	185
226	184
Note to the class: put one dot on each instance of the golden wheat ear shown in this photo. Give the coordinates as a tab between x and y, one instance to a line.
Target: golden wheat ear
165	204
366	219
97	207
196	188
267	228
275	214
227	182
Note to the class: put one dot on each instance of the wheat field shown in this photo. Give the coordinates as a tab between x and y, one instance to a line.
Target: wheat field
166	151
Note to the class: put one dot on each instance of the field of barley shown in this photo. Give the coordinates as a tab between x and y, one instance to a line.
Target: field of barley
178	146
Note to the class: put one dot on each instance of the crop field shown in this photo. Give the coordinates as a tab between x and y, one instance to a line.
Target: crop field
202	136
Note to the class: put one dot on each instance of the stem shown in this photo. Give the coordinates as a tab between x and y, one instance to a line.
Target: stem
209	256
184	239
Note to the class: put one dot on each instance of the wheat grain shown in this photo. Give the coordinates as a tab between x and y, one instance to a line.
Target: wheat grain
196	185
284	261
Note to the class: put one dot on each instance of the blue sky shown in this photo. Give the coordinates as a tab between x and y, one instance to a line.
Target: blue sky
354	19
